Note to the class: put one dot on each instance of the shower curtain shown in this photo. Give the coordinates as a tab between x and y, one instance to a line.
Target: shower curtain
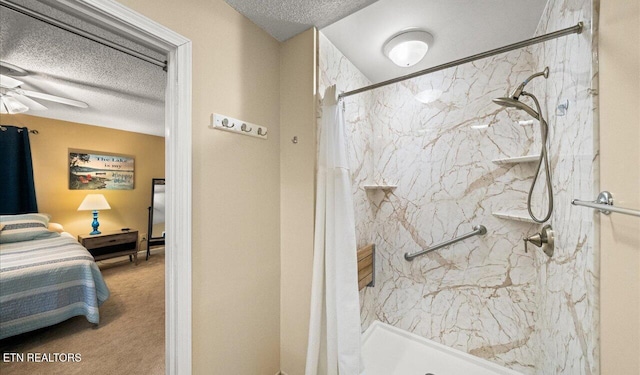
334	327
16	172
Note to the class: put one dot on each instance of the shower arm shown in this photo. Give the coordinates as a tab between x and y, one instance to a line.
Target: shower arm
520	89
544	73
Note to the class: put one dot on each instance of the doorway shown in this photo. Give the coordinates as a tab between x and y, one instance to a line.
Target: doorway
124	21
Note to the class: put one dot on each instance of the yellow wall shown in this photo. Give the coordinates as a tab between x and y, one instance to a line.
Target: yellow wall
297	178
49	151
236	187
619	53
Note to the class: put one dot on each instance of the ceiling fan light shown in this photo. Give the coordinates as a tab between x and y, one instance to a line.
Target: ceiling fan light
408	48
12	105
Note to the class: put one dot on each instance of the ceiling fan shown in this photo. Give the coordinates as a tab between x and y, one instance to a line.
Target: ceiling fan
14	99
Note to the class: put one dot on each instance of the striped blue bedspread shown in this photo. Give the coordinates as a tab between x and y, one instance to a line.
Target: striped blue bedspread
45	282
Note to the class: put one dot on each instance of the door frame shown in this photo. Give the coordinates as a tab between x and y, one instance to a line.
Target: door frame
124	21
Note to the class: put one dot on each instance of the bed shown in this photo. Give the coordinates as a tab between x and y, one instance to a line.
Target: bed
44	281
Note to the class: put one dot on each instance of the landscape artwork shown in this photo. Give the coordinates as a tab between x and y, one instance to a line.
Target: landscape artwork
89	171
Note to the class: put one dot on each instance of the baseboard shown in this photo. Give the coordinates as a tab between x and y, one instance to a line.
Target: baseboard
154	250
142	254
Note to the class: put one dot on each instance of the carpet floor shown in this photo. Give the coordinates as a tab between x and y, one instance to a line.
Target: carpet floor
128	340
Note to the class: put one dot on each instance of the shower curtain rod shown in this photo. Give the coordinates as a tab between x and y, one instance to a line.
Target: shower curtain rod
577	29
87	35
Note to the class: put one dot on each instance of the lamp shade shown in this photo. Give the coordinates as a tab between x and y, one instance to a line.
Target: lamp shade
94	202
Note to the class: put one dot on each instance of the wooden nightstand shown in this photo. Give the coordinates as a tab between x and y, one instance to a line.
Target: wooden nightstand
111	244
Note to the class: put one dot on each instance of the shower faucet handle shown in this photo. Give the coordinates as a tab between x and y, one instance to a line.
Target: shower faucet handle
536	239
545	237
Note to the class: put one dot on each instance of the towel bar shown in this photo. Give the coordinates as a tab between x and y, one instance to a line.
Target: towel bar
604	204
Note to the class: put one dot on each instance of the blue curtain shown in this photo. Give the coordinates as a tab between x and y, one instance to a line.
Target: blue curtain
17	188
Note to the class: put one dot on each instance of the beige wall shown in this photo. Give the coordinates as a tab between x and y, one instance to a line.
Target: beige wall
297	186
49	151
620	174
236	187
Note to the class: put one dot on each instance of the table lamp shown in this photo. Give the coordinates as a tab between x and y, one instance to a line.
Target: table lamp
94	202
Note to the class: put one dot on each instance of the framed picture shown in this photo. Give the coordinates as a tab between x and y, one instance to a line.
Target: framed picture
90	170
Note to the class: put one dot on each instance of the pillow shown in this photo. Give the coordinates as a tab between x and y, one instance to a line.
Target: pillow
34	216
55	227
26	227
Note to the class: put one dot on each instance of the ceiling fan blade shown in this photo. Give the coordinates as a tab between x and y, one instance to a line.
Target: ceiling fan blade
9	82
12	70
53	98
32	104
12	105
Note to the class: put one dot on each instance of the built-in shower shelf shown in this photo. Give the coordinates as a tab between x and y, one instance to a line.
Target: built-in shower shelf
514	215
518	159
380	187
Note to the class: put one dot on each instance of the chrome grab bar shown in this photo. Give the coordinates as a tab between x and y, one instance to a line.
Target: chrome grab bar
477	230
604	204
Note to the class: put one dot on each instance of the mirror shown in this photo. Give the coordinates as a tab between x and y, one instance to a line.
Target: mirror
156	231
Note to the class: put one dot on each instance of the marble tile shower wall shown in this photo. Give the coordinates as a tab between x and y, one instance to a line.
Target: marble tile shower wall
567	320
336	69
484	295
477	295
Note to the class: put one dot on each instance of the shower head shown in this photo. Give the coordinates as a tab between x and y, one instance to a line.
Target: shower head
515	103
512	100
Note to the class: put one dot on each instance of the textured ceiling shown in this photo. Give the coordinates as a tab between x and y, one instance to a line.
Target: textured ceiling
123	92
460	28
126	93
284	19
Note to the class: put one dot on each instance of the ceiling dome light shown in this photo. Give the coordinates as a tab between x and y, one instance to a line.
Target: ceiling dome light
408	48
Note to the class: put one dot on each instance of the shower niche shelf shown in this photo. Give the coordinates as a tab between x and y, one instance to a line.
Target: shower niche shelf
518	159
522	216
380	187
378	193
